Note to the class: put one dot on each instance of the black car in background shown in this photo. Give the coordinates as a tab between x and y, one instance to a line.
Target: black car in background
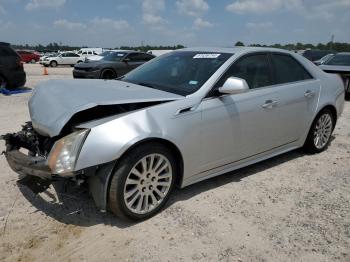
12	74
314	55
111	66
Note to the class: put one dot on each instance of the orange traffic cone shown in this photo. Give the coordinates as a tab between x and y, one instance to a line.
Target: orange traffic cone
45	71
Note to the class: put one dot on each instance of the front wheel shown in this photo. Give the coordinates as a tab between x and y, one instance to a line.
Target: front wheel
108	74
53	63
320	133
142	182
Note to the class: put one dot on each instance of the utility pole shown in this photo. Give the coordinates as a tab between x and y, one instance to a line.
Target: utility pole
332	41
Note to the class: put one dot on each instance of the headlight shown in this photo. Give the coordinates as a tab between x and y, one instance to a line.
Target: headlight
65	151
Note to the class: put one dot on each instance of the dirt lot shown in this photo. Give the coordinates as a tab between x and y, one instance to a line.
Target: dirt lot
294	207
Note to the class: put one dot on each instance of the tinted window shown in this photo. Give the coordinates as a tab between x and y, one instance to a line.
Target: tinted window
287	69
180	72
341	60
114	56
136	57
254	69
6	51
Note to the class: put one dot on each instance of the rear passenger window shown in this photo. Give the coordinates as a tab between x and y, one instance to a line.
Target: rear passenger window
287	69
254	69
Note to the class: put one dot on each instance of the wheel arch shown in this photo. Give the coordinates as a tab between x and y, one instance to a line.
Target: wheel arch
170	145
108	68
99	181
333	110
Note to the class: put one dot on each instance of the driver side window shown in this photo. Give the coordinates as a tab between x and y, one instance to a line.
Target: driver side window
255	69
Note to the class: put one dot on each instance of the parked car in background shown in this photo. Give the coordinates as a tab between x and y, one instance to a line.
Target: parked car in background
66	58
12	74
114	65
323	59
87	52
314	55
29	56
100	56
340	64
159	52
44	56
179	119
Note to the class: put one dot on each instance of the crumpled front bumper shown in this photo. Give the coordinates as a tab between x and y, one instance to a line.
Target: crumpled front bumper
28	165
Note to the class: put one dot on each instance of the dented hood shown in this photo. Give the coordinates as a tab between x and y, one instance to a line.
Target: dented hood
55	102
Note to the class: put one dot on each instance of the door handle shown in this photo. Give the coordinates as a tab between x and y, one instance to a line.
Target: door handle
309	94
269	104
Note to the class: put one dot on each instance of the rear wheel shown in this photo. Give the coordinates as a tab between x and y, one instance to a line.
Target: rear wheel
320	133
3	82
108	74
142	182
53	63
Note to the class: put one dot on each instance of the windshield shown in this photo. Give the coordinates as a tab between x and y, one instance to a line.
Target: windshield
114	56
341	60
106	53
180	72
326	58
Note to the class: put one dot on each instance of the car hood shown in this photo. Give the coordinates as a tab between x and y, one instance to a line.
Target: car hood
55	102
335	68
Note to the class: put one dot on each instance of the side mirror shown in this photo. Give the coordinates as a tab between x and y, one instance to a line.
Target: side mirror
126	60
234	85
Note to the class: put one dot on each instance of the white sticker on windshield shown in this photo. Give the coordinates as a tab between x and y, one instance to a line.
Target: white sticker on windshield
120	54
193	82
212	56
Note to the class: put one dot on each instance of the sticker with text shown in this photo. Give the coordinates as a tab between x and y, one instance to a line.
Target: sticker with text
212	56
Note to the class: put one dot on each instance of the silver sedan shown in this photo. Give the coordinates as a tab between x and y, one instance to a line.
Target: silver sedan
183	117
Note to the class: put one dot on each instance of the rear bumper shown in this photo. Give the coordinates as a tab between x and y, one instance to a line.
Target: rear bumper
28	165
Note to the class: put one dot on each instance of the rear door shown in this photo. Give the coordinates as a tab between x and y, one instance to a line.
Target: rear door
298	94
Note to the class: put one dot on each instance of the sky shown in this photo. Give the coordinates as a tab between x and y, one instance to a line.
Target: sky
113	23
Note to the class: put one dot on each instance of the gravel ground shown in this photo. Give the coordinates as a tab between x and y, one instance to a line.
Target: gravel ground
294	207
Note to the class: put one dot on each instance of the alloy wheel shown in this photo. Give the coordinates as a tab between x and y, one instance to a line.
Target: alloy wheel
148	183
323	131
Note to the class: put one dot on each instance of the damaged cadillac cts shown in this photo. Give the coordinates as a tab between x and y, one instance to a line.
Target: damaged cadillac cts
178	119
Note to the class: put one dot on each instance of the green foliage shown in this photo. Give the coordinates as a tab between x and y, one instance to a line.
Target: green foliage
59	47
239	43
339	47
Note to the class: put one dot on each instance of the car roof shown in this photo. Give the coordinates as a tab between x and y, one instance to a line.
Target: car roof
234	50
344	53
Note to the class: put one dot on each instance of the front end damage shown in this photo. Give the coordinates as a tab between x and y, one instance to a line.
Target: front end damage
27	151
28	154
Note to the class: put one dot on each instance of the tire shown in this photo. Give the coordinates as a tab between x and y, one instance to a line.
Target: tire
146	195
108	74
320	132
3	82
347	96
53	63
79	62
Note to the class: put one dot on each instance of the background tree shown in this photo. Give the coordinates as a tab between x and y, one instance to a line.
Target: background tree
239	43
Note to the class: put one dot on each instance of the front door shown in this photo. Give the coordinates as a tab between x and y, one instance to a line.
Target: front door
238	126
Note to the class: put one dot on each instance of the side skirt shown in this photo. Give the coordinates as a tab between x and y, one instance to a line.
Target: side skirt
239	164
